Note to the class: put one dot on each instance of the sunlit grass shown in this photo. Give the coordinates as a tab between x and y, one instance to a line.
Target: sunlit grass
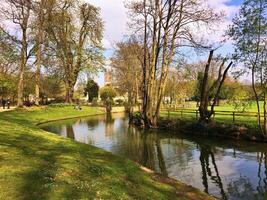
35	164
223	114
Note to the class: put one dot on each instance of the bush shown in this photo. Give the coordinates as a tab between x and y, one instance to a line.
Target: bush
60	105
107	92
95	102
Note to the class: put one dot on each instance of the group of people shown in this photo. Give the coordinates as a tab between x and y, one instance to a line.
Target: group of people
5	103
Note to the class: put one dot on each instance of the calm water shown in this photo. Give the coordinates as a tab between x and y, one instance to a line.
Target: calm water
228	170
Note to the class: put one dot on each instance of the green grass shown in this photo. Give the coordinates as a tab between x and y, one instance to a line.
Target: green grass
35	164
252	107
247	117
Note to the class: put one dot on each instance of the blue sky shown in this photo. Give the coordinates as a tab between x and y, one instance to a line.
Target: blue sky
115	17
234	2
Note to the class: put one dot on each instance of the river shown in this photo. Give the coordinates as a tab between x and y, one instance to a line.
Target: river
223	168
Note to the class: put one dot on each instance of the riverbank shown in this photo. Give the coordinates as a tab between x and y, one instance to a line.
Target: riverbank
36	164
191	126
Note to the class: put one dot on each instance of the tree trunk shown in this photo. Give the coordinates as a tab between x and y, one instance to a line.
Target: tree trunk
69	92
265	113
216	97
203	108
145	103
37	76
256	98
39	53
23	57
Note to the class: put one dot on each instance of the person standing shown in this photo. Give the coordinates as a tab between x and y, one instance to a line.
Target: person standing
8	103
4	103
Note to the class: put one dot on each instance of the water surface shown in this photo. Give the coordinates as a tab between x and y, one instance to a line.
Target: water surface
225	169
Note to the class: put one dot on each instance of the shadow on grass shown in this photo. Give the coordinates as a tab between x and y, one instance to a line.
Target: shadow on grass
49	167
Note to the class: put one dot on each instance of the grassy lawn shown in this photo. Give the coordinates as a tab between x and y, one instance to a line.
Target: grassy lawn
247	119
35	164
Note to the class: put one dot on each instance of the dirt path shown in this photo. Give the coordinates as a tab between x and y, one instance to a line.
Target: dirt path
3	110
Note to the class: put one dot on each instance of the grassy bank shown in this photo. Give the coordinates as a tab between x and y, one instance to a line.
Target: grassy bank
35	164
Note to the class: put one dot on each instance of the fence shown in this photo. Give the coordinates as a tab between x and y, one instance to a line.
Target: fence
233	114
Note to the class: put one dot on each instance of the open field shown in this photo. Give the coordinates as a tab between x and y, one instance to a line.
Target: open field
225	113
35	164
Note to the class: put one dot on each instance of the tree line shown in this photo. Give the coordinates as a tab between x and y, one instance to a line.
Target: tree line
153	65
54	40
48	44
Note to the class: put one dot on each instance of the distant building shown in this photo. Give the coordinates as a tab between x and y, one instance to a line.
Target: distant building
108	78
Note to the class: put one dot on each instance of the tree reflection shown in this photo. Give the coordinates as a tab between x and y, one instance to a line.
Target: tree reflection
205	155
92	123
262	171
145	148
148	151
162	164
70	131
109	125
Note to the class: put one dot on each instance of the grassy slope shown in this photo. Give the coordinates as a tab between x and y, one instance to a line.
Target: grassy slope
35	164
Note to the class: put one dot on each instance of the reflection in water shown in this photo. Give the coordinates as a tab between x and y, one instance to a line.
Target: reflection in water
205	154
70	131
162	165
226	170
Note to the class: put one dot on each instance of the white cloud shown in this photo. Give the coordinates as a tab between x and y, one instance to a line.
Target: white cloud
229	10
115	18
223	5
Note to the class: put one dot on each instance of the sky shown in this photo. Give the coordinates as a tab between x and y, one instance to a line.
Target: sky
115	19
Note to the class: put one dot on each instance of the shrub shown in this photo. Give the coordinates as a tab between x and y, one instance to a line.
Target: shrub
95	102
107	92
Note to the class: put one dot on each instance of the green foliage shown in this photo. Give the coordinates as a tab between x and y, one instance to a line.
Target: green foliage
107	92
95	102
7	86
197	91
92	89
240	97
249	31
9	54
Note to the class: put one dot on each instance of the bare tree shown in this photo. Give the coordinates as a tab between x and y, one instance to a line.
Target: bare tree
165	26
126	66
205	93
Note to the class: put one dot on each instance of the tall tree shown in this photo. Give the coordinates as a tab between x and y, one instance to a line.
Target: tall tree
76	31
92	89
166	27
249	32
126	64
39	9
18	12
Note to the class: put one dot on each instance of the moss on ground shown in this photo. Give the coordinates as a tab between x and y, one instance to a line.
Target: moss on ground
35	164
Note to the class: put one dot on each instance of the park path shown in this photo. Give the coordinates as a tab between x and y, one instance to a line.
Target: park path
3	110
